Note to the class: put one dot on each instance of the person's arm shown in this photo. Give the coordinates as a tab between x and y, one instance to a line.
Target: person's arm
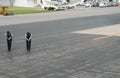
10	37
30	38
26	37
6	36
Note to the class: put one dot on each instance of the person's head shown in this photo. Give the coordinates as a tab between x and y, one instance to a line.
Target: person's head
8	32
28	32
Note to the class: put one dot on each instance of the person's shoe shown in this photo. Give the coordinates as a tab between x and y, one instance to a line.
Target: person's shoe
28	50
9	50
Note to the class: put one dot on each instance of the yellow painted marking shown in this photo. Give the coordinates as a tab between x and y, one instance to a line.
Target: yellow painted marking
107	36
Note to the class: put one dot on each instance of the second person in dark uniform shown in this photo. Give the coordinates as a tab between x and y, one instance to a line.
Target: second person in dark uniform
28	37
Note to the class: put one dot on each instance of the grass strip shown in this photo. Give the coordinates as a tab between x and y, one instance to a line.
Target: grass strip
30	11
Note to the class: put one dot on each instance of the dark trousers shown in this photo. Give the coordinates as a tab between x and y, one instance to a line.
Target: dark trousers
9	44
28	45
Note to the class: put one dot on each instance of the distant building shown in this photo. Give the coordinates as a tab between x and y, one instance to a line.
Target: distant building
26	3
5	3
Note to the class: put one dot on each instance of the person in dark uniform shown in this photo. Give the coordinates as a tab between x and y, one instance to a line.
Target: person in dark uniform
28	37
9	38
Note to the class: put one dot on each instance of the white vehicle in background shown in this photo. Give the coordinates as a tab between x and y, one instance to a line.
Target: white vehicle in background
53	5
114	4
88	5
70	6
101	5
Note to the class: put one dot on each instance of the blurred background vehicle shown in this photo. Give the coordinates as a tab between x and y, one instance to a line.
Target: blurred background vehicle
88	5
114	4
95	4
53	5
101	5
70	5
107	4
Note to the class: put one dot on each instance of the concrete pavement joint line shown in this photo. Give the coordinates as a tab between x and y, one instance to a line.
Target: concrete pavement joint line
108	31
107	36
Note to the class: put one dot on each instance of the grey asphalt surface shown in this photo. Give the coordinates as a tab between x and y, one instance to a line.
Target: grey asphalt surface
59	53
41	17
